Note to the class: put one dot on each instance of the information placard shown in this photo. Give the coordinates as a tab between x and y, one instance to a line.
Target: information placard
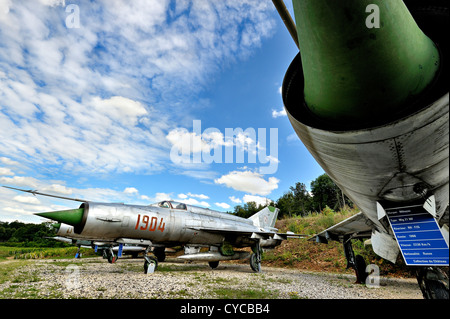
418	236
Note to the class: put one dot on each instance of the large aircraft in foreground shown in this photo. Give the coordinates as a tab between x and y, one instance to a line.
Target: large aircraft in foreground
368	96
170	223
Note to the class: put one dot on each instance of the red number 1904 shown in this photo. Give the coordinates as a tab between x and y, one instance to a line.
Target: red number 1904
150	223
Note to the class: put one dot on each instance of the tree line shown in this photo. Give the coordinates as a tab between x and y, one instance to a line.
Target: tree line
32	235
297	201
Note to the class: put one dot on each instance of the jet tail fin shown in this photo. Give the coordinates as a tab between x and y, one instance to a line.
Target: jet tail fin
266	217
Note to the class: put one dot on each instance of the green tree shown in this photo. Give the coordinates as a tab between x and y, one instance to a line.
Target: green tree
286	205
302	198
327	193
249	209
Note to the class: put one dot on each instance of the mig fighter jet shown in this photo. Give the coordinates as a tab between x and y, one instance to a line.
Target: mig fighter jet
170	223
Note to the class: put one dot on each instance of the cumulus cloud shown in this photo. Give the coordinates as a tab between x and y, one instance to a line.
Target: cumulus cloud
5	171
235	199
131	191
120	109
193	201
26	199
96	98
201	196
279	113
257	199
59	189
223	205
248	181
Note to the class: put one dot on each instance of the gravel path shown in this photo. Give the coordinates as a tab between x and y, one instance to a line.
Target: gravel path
96	278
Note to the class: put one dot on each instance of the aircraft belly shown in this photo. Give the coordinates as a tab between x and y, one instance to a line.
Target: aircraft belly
385	163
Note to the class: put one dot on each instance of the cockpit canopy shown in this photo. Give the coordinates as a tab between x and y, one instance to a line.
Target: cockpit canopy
172	205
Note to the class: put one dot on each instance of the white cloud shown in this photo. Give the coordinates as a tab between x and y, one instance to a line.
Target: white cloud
201	196
162	196
26	199
120	109
20	181
292	137
223	205
188	142
8	161
5	171
57	188
189	199
131	191
257	199
193	201
235	199
102	98
250	182
279	113
4	9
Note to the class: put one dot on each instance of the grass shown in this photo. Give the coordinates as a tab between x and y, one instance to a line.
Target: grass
303	254
41	253
8	269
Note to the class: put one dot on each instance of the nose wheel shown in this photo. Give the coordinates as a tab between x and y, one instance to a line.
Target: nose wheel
255	258
109	255
150	264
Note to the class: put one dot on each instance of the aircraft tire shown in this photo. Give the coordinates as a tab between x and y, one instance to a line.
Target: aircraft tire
433	283
150	260
112	259
160	254
360	268
254	264
213	264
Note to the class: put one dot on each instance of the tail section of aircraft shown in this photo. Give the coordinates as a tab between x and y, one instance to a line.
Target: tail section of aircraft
266	217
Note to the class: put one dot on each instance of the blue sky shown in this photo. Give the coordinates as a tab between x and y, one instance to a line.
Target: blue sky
96	98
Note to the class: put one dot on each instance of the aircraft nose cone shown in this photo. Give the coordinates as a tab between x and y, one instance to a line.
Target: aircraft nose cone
71	217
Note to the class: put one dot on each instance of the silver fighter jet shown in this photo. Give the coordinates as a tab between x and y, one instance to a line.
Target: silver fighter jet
170	223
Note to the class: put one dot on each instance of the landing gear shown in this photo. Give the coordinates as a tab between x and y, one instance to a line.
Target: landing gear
78	254
433	282
255	258
356	262
213	264
109	255
150	264
160	253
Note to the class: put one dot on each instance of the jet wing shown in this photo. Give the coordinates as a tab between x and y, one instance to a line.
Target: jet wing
357	226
